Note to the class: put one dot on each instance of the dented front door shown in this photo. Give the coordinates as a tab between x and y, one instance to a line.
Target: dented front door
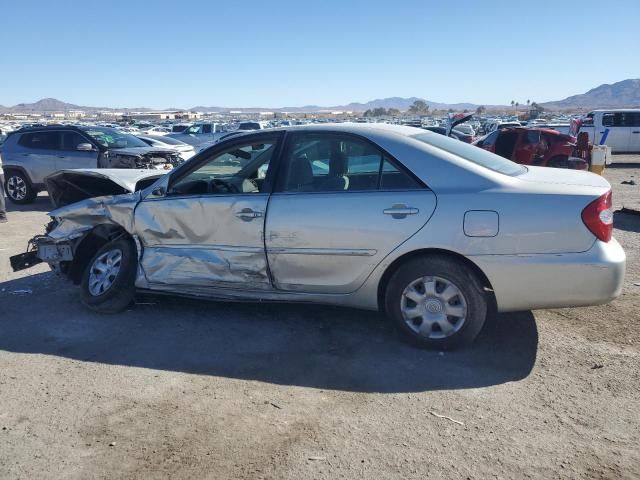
207	230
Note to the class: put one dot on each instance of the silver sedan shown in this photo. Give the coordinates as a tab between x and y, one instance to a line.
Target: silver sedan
431	231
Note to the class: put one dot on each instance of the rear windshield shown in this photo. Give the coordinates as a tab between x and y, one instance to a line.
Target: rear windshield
472	153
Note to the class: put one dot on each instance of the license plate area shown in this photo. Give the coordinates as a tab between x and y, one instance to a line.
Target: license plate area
55	252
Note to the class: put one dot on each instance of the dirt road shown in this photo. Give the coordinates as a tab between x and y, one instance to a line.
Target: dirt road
184	389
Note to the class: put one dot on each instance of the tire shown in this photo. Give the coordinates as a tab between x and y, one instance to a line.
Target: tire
113	290
18	188
559	162
441	318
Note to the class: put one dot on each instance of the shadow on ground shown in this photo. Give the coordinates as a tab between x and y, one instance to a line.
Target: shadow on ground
304	345
42	203
627	221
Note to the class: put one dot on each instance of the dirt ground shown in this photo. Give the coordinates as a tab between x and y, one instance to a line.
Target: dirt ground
184	389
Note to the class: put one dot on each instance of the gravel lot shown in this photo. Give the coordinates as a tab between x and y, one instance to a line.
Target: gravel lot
184	389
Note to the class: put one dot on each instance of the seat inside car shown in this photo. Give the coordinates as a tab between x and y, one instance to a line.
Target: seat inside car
300	175
337	180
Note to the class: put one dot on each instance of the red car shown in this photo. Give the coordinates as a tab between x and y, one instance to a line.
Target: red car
535	146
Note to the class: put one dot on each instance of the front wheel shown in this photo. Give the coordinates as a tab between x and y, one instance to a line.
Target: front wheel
436	302
108	282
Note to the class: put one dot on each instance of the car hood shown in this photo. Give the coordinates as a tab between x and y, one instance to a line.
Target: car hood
69	186
139	150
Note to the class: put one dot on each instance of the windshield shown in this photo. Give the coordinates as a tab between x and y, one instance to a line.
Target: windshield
472	153
112	138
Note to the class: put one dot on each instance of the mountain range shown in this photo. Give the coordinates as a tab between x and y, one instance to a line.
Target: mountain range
625	93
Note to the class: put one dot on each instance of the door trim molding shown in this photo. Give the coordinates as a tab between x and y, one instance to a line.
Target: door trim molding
347	252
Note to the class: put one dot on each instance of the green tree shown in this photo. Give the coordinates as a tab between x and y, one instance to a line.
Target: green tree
419	107
481	109
393	112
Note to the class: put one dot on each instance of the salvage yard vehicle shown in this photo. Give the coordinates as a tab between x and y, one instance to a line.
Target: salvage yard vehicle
535	146
185	150
429	230
200	132
33	153
619	129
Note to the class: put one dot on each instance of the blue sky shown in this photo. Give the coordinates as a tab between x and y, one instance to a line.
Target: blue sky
290	53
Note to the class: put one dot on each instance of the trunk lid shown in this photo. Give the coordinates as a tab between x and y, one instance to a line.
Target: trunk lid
563	176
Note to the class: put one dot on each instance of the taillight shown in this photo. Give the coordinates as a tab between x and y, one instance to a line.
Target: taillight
598	217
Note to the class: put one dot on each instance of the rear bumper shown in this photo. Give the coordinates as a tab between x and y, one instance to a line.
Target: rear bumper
525	282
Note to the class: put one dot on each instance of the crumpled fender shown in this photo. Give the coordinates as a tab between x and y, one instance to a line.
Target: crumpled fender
78	218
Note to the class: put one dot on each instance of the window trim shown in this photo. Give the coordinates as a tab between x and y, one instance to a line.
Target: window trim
279	187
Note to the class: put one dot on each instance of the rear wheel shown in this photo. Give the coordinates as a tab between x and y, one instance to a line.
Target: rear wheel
436	302
108	282
19	189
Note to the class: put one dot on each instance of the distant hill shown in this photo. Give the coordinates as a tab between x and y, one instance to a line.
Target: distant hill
621	94
392	102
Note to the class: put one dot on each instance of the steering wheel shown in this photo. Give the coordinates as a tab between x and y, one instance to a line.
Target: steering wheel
220	186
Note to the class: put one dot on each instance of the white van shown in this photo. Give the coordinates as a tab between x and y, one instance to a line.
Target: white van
621	127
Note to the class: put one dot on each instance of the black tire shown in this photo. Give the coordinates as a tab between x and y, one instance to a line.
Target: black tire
559	162
121	292
18	188
442	271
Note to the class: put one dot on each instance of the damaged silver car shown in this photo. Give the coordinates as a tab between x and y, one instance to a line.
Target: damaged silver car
431	231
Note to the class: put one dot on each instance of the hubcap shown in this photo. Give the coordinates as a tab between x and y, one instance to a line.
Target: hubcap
104	271
16	188
433	307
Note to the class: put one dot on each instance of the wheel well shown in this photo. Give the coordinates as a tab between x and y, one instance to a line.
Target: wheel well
89	245
407	257
21	170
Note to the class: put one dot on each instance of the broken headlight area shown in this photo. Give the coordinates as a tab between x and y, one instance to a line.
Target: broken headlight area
150	160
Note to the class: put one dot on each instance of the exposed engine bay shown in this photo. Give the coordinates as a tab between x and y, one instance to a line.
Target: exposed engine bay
152	159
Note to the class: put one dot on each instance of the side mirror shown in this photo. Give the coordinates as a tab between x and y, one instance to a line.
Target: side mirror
158	192
85	147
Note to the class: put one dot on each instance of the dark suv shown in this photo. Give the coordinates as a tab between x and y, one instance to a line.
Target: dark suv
30	154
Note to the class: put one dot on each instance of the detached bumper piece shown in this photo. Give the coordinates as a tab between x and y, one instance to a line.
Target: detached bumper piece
43	251
24	260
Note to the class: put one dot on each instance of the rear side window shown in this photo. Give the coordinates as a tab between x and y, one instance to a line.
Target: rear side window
41	140
335	162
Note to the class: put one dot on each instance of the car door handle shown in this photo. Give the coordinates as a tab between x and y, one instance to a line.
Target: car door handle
636	131
248	214
400	211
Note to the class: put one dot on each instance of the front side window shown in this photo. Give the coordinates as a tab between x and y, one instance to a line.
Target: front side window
338	163
71	140
240	169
